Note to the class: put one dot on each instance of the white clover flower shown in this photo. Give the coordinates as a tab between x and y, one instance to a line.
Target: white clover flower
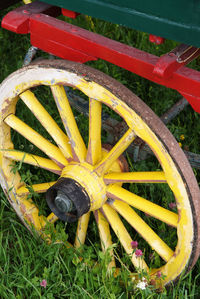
31	146
141	285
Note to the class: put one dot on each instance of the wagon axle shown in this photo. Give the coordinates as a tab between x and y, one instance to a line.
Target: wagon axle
63	202
68	200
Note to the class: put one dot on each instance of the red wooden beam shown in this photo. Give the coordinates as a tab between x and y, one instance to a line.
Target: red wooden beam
18	20
71	42
69	13
139	62
169	63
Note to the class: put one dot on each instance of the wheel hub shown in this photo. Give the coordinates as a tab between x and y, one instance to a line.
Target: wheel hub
78	190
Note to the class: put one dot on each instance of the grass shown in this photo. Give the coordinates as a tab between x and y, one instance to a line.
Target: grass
25	261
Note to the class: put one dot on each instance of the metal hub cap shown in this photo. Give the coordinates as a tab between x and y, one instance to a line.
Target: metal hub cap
78	190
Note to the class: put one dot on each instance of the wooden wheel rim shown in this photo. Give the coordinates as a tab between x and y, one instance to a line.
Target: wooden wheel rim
140	120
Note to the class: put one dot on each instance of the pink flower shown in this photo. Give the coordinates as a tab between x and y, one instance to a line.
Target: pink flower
172	205
138	253
159	274
147	215
134	244
43	283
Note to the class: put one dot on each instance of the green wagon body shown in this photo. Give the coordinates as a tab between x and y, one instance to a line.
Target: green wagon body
177	20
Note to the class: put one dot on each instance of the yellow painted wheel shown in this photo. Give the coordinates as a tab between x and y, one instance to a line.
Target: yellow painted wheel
27	1
134	208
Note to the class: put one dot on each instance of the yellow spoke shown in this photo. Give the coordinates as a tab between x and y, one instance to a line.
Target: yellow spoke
69	122
105	236
38	188
115	152
52	218
123	236
156	211
47	147
81	230
32	160
143	229
94	144
135	177
48	123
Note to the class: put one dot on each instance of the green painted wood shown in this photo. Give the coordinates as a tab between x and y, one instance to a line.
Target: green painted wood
176	20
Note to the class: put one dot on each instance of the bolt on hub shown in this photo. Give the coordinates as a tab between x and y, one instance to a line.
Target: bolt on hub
63	202
68	200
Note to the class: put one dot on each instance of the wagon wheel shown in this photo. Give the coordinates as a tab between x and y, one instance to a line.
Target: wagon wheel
91	178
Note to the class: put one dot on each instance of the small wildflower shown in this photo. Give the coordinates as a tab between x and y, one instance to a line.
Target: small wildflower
172	205
159	274
31	146
141	285
180	144
43	283
134	244
147	215
138	253
182	137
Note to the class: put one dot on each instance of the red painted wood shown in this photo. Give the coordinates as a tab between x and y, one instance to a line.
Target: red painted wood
18	19
69	13
193	100
60	50
71	42
158	40
16	22
137	61
166	66
169	63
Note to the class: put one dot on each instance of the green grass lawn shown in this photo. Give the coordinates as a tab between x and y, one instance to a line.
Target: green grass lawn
26	262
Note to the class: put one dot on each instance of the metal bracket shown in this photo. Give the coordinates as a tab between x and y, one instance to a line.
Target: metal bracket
172	61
